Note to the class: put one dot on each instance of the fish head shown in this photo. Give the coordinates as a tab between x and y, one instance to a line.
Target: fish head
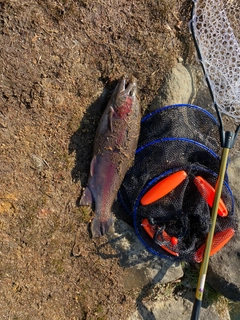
125	97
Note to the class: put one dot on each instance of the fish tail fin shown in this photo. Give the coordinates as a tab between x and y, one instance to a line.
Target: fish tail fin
86	198
99	228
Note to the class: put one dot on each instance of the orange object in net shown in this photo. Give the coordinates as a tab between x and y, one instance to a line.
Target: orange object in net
219	240
208	193
163	187
151	230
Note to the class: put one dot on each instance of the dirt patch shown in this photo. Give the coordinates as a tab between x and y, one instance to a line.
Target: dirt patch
59	61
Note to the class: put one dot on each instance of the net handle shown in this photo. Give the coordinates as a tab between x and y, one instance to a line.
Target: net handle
204	266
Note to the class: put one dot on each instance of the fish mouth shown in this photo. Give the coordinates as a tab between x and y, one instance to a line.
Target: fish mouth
125	88
128	86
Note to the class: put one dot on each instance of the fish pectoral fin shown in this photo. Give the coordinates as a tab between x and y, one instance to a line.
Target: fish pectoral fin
86	198
92	166
110	116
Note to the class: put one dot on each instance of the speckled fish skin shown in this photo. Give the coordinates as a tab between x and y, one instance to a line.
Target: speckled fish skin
114	149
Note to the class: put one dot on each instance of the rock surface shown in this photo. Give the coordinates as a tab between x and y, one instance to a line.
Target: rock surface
143	269
142	266
172	309
224	267
177	88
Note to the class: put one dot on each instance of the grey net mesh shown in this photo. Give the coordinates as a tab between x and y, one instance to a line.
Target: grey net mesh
175	138
216	26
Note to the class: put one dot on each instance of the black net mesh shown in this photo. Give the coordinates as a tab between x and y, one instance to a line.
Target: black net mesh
181	121
172	139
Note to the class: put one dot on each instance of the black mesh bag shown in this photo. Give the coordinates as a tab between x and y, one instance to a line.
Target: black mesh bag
174	140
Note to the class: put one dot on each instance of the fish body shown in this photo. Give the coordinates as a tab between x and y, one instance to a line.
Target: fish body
114	149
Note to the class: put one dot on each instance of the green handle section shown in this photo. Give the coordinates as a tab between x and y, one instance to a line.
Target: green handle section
196	309
204	265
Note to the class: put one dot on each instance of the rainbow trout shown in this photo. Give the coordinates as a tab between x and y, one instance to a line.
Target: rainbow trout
114	149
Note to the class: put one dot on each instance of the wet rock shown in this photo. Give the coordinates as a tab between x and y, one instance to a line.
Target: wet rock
176	89
142	267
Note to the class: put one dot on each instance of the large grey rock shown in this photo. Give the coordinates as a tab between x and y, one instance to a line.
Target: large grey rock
224	267
174	309
200	95
142	267
176	89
